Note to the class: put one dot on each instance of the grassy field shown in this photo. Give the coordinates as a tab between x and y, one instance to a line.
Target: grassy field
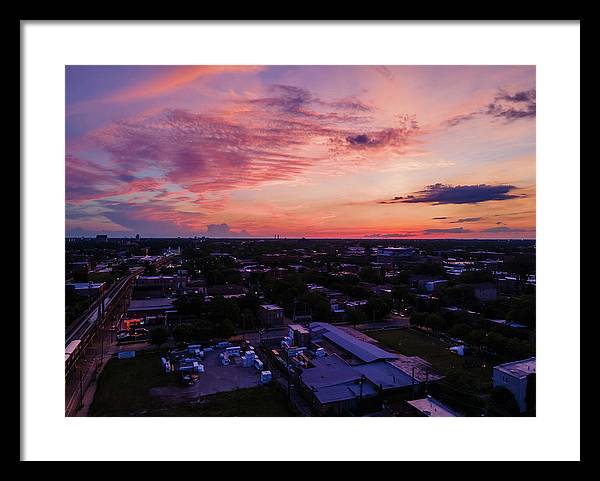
124	390
468	381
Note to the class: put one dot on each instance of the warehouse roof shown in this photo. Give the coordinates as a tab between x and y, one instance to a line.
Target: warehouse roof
151	304
344	392
332	380
365	351
432	407
518	369
385	375
329	371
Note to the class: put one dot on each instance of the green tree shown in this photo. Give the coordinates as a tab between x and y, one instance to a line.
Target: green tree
318	305
378	307
400	294
460	330
521	264
523	311
506	401
368	274
476	338
356	316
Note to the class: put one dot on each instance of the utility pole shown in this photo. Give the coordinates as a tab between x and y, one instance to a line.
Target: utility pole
360	399
289	378
80	388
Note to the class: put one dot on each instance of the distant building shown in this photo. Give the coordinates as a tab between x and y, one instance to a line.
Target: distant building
159	286
432	286
92	289
228	291
101	238
350	268
519	378
393	255
486	291
355	251
196	286
155	307
508	285
80	267
270	315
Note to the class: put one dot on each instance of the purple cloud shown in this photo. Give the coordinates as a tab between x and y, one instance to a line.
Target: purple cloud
509	107
466	219
439	194
455	230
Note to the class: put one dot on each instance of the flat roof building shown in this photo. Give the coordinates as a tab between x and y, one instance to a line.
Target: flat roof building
519	378
336	387
271	315
362	350
431	407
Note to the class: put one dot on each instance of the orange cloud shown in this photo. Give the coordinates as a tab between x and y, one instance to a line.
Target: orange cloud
178	78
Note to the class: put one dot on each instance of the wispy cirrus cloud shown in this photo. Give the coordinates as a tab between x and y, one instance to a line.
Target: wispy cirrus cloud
263	139
175	79
261	142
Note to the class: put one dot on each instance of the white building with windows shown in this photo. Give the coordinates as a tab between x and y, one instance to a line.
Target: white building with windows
515	377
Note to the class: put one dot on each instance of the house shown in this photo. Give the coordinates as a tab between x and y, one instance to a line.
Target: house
519	378
271	315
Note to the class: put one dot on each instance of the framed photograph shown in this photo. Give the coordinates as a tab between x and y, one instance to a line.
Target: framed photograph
281	237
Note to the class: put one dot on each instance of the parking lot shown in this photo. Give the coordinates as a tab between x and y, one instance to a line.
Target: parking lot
215	378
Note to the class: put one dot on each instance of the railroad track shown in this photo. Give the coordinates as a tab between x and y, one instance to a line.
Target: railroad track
86	323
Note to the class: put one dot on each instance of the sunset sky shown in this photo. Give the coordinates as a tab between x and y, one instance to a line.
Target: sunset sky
301	151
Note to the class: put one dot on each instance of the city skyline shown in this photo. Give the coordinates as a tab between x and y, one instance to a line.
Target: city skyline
301	151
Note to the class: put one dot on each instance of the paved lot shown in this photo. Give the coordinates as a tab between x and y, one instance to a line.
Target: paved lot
215	378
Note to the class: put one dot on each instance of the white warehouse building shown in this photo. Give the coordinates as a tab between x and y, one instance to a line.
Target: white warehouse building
515	377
